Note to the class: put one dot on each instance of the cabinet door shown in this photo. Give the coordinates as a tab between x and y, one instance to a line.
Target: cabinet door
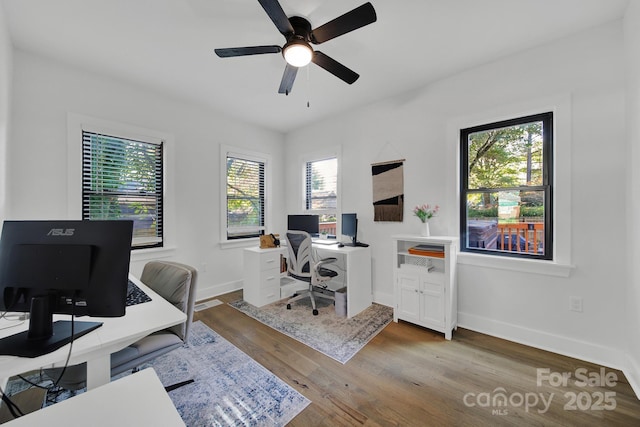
408	297
432	304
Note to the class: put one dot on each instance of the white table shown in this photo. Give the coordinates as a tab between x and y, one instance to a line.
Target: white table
353	265
96	347
135	400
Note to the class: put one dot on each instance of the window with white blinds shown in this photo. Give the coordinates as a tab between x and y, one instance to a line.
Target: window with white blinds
123	179
245	199
321	184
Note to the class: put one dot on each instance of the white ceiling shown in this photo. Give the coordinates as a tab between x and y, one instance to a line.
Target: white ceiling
167	46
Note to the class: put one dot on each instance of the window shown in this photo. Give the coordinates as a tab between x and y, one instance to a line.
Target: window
245	196
123	179
321	192
506	188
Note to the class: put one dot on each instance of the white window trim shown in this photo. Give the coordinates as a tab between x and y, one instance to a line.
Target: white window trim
226	150
562	121
328	153
76	123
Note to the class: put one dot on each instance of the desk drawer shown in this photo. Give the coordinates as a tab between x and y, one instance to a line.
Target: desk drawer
270	278
269	261
270	294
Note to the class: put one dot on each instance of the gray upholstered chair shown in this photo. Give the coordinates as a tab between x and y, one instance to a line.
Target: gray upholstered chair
302	265
174	282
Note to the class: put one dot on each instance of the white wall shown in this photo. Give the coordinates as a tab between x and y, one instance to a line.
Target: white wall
632	321
6	64
46	91
587	71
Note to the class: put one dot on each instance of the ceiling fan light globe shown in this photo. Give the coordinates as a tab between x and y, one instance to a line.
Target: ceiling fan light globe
297	53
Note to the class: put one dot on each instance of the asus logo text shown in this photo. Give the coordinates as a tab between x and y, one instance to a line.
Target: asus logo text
61	232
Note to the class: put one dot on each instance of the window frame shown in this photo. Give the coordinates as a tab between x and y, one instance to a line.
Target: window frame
329	153
547	186
308	200
158	147
76	123
249	155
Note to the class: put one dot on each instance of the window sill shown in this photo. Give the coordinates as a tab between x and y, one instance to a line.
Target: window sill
547	268
152	253
240	243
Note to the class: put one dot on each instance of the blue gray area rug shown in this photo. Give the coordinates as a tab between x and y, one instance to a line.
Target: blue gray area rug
230	388
337	337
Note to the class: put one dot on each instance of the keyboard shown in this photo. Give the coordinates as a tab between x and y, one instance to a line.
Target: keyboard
324	241
135	295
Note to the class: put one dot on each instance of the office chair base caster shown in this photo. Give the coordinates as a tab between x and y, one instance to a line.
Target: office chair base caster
315	312
288	306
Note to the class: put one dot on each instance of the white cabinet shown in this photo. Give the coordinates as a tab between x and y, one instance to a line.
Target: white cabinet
424	273
262	275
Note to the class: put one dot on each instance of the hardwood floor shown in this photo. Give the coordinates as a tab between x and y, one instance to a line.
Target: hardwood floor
410	376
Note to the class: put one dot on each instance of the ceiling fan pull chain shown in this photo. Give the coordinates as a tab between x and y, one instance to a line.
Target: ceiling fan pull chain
308	87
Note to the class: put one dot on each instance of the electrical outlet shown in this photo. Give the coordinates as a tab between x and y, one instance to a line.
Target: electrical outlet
575	304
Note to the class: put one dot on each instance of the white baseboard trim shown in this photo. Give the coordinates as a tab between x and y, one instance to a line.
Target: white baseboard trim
211	291
632	372
563	345
383	298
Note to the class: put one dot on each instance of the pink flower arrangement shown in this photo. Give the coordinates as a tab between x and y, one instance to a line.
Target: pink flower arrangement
425	212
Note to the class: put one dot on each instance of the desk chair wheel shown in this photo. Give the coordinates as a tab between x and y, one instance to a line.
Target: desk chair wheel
288	306
315	312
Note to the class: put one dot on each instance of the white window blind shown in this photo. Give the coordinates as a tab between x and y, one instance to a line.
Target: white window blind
123	179
245	197
321	184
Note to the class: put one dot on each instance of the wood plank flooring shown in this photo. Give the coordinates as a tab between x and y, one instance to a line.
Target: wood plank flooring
410	376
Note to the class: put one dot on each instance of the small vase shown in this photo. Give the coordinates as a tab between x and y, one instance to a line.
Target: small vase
425	229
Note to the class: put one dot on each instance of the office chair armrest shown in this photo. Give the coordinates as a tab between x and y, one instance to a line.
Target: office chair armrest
325	261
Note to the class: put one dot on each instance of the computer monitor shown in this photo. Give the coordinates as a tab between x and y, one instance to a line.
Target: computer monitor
350	228
308	223
62	267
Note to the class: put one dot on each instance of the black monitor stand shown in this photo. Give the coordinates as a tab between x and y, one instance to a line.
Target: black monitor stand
20	344
44	335
354	243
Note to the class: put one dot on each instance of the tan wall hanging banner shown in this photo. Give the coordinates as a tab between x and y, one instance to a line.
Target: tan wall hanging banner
388	190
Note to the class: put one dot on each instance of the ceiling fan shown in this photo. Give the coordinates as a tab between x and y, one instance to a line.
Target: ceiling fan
297	50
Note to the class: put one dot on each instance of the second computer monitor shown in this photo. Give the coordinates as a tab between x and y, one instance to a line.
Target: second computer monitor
350	226
308	223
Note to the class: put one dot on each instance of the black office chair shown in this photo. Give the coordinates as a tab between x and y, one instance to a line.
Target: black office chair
303	266
174	282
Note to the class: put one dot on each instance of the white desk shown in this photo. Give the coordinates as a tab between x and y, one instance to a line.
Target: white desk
96	347
135	400
262	274
357	277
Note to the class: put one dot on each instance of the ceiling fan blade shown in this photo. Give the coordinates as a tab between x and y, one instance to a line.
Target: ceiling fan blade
357	18
277	15
243	51
334	67
288	78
